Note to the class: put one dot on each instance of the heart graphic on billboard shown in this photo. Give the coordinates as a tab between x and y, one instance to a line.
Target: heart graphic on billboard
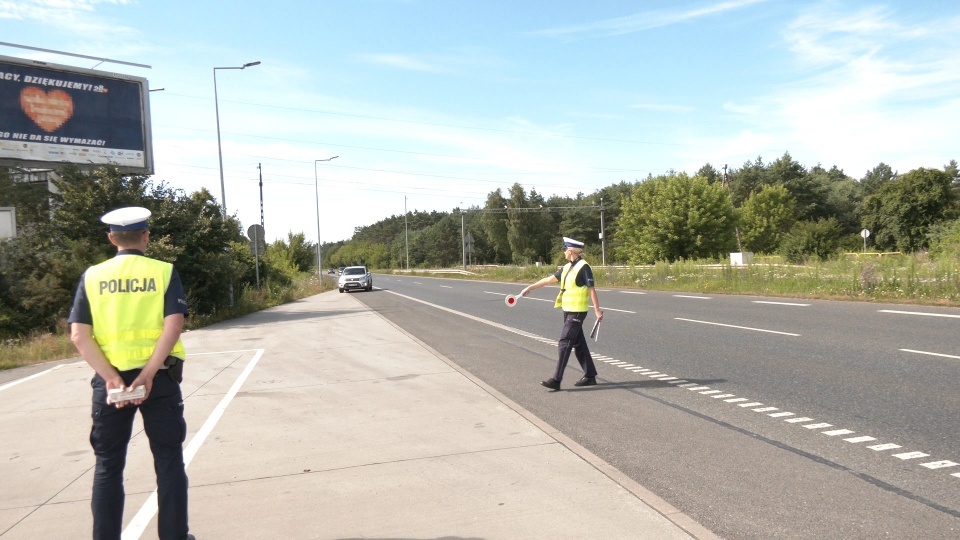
49	110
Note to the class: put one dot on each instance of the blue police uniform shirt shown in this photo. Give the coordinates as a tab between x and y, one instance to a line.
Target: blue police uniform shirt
584	276
174	299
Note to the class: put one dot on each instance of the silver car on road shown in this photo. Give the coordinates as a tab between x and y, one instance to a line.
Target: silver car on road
355	277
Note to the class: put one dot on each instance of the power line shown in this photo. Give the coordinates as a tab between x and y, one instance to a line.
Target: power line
437	124
375	149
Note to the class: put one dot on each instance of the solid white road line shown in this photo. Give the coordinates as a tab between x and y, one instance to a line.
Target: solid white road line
34	376
140	521
694	297
931	353
717	393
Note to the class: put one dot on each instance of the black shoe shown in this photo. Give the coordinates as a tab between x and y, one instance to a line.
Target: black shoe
586	381
551	383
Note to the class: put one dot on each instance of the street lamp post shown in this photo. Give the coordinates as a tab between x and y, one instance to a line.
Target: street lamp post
316	188
463	238
406	235
603	235
216	106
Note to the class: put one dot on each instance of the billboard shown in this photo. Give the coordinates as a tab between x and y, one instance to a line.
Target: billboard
52	114
8	222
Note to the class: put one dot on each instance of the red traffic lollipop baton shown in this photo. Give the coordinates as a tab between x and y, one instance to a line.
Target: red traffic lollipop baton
511	300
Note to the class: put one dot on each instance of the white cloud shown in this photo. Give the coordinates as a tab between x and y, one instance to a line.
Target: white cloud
868	90
658	107
404	62
646	20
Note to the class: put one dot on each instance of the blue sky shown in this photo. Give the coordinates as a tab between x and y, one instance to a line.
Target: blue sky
434	104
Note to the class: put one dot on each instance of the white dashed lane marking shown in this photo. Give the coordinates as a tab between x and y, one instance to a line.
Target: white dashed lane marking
882	447
918	313
835	432
931	353
910	455
683	383
939	464
739	327
786	416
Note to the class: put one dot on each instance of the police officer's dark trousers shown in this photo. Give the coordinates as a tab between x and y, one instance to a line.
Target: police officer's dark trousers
573	340
166	430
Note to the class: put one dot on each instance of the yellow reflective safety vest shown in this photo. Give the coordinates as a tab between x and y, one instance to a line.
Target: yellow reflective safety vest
572	297
126	295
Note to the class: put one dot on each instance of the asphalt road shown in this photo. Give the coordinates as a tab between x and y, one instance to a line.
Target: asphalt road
758	417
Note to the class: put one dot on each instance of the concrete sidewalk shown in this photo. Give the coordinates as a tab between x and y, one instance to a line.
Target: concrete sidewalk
344	426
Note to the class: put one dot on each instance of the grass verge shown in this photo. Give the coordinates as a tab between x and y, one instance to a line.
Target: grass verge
42	347
904	279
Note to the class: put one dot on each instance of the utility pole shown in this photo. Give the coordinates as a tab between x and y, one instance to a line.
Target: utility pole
261	195
736	228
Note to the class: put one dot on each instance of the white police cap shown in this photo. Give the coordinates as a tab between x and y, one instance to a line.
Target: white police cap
571	243
130	218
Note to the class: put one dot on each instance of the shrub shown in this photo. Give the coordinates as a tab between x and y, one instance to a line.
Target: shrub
820	239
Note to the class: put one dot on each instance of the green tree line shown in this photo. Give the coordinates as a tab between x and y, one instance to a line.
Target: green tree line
777	208
59	234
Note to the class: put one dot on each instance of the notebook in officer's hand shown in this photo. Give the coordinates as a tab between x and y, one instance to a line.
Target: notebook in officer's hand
595	333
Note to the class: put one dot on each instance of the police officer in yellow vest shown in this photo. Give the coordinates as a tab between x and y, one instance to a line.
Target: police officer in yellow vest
126	320
576	292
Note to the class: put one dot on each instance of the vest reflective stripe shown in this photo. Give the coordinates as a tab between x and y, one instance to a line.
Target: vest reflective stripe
126	295
572	297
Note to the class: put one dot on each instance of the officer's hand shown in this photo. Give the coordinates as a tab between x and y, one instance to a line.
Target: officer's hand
599	315
525	291
113	383
147	381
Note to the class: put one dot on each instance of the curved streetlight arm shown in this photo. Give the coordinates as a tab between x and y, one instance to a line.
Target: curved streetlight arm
216	108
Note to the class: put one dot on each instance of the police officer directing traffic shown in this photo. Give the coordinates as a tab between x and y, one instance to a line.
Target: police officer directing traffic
126	321
576	292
